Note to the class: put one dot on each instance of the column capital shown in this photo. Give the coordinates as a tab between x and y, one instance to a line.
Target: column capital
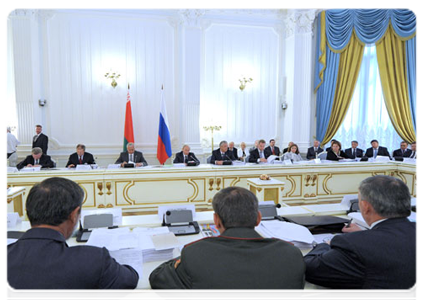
300	21
192	17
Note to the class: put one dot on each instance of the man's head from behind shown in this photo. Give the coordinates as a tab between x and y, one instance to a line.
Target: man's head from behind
55	202
383	197
235	207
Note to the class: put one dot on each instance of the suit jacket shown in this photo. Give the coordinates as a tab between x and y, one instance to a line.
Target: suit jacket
179	158
358	152
41	259
45	162
255	155
332	156
411	152
238	259
268	151
87	158
217	156
398	153
311	154
285	150
382	151
42	142
138	158
380	258
234	152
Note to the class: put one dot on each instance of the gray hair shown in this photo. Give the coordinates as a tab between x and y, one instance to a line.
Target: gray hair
222	142
389	196
130	145
236	207
185	145
36	150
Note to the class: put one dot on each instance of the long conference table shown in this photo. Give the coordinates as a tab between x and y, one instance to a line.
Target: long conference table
142	190
201	218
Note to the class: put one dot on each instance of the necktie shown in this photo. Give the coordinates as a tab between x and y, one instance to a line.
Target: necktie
375	153
185	159
354	153
261	154
36	162
223	155
412	154
35	138
402	152
243	153
273	151
80	160
131	157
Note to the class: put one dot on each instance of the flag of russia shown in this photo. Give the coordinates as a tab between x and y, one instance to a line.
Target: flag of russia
164	149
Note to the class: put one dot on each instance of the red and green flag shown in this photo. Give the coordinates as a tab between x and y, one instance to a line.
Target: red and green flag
129	128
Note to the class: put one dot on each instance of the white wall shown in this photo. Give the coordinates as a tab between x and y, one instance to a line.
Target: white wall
199	55
233	52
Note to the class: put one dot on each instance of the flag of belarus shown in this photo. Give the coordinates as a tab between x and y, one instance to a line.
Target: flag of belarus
129	128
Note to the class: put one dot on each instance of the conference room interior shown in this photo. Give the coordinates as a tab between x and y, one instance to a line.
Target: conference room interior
159	98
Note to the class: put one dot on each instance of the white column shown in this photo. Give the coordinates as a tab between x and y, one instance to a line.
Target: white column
28	73
190	36
299	96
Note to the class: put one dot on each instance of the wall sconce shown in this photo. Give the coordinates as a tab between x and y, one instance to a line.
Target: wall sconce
212	129
284	105
244	82
113	76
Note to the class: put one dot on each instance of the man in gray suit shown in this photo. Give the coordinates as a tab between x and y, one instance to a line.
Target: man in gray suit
41	259
131	156
237	259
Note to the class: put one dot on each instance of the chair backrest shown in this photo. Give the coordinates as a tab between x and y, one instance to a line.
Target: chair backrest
209	159
322	155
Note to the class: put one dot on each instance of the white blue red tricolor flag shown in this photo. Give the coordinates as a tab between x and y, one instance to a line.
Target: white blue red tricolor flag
164	149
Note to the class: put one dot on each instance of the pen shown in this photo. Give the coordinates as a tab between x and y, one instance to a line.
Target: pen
349	223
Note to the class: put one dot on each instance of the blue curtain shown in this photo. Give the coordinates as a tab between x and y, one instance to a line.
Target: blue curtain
411	76
370	26
326	93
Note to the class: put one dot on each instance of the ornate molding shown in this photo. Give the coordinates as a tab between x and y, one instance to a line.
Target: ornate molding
192	17
22	12
299	22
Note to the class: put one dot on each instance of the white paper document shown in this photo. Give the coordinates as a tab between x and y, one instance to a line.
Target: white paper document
131	257
286	231
112	239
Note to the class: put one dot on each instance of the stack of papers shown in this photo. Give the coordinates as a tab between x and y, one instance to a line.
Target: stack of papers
299	235
136	246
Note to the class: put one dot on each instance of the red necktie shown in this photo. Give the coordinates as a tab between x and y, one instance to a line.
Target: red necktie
80	160
273	151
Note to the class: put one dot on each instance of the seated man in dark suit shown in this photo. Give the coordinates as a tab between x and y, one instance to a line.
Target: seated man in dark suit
80	157
40	139
354	152
375	150
286	149
383	257
233	150
237	259
185	156
413	152
41	259
312	152
222	154
131	156
36	159
271	149
258	155
403	151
